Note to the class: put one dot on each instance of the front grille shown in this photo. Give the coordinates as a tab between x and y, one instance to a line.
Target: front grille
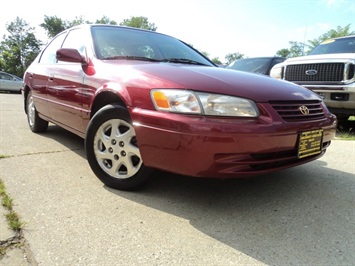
290	111
327	73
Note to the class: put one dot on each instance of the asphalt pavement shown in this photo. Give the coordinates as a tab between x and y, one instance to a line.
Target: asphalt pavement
299	216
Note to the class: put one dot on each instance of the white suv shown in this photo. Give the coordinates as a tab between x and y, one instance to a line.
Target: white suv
328	71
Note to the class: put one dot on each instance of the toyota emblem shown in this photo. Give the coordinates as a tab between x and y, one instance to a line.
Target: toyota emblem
304	110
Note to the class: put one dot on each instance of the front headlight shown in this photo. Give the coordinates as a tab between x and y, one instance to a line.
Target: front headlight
190	102
276	72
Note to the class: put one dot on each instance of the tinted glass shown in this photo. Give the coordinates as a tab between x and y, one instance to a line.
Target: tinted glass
344	45
49	54
4	76
255	65
114	41
75	39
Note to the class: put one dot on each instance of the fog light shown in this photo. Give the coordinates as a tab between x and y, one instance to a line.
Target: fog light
321	94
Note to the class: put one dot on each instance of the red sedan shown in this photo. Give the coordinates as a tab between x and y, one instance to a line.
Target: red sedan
144	100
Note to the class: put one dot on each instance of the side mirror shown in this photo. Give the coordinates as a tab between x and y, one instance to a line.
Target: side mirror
70	55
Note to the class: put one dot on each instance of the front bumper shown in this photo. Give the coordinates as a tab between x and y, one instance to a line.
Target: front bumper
339	99
223	147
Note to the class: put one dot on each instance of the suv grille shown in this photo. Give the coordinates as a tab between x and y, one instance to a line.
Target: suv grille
291	111
331	73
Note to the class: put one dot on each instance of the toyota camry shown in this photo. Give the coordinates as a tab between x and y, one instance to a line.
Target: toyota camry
144	100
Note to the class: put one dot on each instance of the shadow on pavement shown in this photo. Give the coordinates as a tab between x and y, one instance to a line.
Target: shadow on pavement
304	213
292	213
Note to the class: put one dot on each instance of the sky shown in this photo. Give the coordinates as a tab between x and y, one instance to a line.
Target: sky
219	27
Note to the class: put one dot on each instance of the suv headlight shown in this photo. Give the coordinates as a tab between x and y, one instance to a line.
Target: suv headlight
276	71
190	102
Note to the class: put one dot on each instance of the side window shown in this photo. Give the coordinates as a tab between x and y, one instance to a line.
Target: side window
277	60
75	40
5	77
48	55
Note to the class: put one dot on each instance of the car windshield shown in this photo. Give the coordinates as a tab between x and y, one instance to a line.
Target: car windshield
256	65
334	46
133	44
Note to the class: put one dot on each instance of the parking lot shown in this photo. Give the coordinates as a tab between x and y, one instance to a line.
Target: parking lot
303	215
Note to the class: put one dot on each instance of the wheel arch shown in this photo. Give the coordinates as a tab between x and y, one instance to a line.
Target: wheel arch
104	98
25	91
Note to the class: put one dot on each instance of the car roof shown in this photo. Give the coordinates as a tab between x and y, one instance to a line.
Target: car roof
263	57
343	37
89	26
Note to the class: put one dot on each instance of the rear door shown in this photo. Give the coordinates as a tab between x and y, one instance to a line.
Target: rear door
39	74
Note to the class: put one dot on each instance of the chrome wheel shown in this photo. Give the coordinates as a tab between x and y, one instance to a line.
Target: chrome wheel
31	111
36	123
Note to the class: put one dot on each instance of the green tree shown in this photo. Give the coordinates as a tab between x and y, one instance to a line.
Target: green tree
78	21
139	22
53	25
19	48
232	57
106	20
300	49
283	52
334	33
296	49
216	61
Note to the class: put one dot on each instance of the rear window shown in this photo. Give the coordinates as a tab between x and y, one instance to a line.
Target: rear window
335	46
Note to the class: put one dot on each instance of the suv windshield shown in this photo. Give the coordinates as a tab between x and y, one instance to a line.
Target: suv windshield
260	65
335	46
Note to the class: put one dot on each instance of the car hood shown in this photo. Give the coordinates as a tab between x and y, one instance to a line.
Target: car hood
259	88
318	57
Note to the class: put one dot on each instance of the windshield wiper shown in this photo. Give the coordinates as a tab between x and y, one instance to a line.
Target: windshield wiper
167	60
183	61
131	57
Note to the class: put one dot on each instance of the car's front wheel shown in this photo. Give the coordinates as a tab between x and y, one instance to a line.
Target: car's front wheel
112	150
35	123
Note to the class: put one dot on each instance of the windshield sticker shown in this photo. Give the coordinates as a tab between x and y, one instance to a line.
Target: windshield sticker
328	41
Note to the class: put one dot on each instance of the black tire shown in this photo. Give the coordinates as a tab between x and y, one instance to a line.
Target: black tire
112	150
342	118
35	123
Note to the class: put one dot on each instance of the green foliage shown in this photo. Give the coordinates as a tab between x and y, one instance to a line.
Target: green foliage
333	33
19	48
216	61
300	49
284	52
296	49
14	221
232	57
139	22
203	52
12	217
53	25
106	20
78	21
